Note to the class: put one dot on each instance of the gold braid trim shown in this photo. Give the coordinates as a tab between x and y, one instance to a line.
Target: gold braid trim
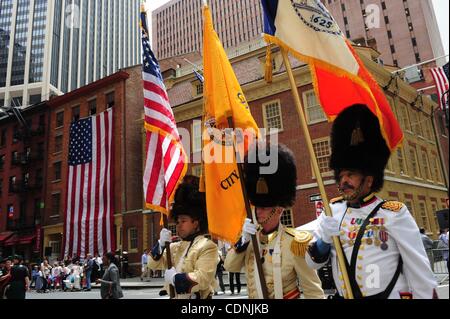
300	243
393	206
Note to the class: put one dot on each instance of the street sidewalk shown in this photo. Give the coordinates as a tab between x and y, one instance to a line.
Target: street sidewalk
136	283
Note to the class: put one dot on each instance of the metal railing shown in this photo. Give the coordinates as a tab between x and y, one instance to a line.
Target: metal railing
439	258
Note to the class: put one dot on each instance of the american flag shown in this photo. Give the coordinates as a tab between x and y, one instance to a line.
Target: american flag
166	161
90	200
440	76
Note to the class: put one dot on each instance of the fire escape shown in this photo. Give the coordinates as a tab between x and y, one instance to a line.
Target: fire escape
29	158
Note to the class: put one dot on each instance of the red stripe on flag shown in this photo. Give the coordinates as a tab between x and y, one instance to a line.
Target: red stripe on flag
156	168
72	209
152	105
80	208
88	213
156	89
105	187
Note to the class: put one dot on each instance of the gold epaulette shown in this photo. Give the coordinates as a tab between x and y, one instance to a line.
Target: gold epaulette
336	200
393	206
300	244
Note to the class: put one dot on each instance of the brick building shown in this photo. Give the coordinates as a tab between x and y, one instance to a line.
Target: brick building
22	184
414	174
123	92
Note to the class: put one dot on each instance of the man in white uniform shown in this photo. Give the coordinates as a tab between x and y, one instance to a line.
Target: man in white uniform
385	257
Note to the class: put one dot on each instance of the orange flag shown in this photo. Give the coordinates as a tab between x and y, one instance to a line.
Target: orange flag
225	107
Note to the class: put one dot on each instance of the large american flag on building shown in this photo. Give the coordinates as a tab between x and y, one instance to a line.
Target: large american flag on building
166	161
440	76
90	201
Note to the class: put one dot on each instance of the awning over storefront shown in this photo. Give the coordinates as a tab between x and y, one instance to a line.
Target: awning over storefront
4	236
19	240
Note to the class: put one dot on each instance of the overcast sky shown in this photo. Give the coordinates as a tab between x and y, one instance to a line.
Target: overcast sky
441	7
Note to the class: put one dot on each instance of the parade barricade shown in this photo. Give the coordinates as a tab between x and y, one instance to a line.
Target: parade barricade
440	264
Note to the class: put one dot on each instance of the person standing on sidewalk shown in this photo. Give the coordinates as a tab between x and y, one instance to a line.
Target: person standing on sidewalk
88	268
219	273
428	245
110	283
236	275
20	280
144	268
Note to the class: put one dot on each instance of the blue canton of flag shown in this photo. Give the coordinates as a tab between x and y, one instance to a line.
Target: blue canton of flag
445	67
150	63
80	148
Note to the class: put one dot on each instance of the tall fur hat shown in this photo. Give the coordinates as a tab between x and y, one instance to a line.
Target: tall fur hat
271	190
189	201
357	144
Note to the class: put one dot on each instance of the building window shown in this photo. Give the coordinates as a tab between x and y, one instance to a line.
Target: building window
322	150
133	238
424	216
417	125
16	134
436	169
2	161
34	99
173	228
56	247
401	161
404	117
197	136
426	165
10	208
12	183
413	159
409	205
199	88
39	178
434	209
56	204
287	218
58	143
75	113
60	119
197	170
14	158
428	129
92	107
3	137
57	171
314	112
110	100
272	115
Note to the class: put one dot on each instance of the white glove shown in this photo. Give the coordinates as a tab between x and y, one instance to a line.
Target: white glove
169	276
248	230
329	227
164	236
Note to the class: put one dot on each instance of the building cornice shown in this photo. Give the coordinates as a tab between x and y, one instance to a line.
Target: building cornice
116	77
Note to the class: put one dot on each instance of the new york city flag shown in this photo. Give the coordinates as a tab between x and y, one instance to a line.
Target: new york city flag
306	29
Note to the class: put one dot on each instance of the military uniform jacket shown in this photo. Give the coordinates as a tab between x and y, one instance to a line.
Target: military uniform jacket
293	265
391	234
196	263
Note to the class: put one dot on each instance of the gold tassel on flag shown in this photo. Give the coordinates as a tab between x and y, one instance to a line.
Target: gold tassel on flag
269	65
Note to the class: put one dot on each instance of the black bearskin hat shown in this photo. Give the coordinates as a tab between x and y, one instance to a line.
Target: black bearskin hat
189	201
357	144
271	190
